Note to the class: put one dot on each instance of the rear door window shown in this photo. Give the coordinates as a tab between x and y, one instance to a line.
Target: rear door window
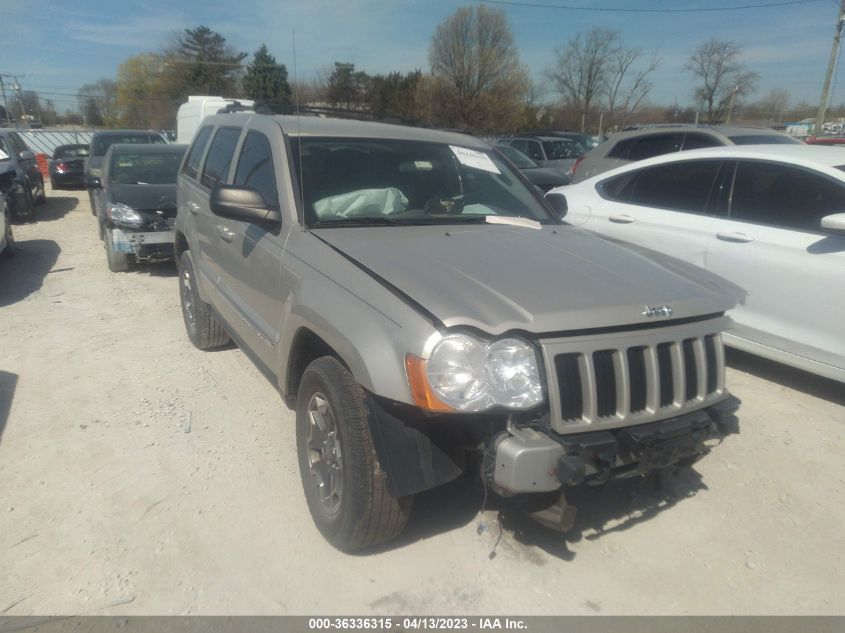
784	196
684	186
220	155
700	141
192	165
655	145
256	170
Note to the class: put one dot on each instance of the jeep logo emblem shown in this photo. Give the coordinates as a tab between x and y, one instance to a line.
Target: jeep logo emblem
657	311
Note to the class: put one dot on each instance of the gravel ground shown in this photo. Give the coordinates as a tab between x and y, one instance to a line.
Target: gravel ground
139	475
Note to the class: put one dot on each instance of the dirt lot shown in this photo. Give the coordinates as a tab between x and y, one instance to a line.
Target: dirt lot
139	475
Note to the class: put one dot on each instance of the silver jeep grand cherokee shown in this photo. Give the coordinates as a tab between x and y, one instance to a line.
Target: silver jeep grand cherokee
415	300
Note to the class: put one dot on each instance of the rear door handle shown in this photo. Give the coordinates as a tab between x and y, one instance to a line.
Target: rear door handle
740	238
193	207
225	233
622	219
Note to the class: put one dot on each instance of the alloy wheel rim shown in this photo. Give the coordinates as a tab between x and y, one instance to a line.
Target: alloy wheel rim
325	461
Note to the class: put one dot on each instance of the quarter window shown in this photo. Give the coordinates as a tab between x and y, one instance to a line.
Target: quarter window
785	196
220	155
255	168
192	165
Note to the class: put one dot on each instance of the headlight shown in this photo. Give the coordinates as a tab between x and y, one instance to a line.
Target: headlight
468	374
124	215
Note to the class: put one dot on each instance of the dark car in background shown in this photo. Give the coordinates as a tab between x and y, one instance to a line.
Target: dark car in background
543	178
21	182
67	167
100	143
137	188
548	151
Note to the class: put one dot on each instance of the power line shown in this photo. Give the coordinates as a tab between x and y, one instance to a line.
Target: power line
570	7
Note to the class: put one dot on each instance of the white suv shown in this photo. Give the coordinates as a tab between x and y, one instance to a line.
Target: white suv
770	219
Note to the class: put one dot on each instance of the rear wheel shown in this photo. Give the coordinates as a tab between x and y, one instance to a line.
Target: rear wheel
118	262
343	481
203	328
91	202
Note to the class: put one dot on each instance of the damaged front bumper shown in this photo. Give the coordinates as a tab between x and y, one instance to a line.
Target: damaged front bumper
145	245
525	460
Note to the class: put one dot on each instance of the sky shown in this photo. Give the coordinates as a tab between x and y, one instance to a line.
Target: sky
58	46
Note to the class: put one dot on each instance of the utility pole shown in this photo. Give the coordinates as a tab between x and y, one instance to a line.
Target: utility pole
834	54
5	105
733	98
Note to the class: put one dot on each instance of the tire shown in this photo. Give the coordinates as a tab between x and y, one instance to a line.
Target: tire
203	328
352	509
91	202
9	250
53	184
118	262
27	213
41	199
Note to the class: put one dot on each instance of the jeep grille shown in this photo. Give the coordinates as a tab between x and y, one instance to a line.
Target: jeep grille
630	378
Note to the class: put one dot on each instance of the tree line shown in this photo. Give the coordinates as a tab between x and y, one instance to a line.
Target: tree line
475	81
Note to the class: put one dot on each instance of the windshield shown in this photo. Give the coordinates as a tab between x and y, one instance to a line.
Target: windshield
516	157
556	150
4	153
101	144
764	139
357	181
71	151
145	168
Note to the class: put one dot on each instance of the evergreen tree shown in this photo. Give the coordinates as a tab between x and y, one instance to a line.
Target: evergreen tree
266	80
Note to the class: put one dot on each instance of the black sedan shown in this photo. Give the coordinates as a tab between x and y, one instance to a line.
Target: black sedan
67	167
138	193
544	178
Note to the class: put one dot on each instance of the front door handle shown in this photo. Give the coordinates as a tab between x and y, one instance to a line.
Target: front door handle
225	233
622	219
193	207
740	238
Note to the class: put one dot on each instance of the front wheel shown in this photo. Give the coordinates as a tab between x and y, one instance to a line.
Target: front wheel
118	262
343	481
41	199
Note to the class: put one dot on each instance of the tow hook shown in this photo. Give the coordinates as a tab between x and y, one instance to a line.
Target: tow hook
560	516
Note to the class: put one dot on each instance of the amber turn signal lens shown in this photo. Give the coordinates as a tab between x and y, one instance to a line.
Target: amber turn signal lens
424	397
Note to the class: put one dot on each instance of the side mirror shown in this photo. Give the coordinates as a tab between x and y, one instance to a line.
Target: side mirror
835	222
557	203
26	155
241	203
93	182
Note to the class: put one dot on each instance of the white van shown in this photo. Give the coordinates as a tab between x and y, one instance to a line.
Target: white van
191	113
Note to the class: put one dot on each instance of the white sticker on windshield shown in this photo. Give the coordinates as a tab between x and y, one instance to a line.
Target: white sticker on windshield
474	159
3	155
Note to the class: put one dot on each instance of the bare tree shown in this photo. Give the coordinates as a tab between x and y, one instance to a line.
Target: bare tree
628	83
595	68
476	68
98	102
773	105
724	79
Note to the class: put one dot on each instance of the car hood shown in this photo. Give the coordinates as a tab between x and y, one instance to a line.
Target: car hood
501	278
142	197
